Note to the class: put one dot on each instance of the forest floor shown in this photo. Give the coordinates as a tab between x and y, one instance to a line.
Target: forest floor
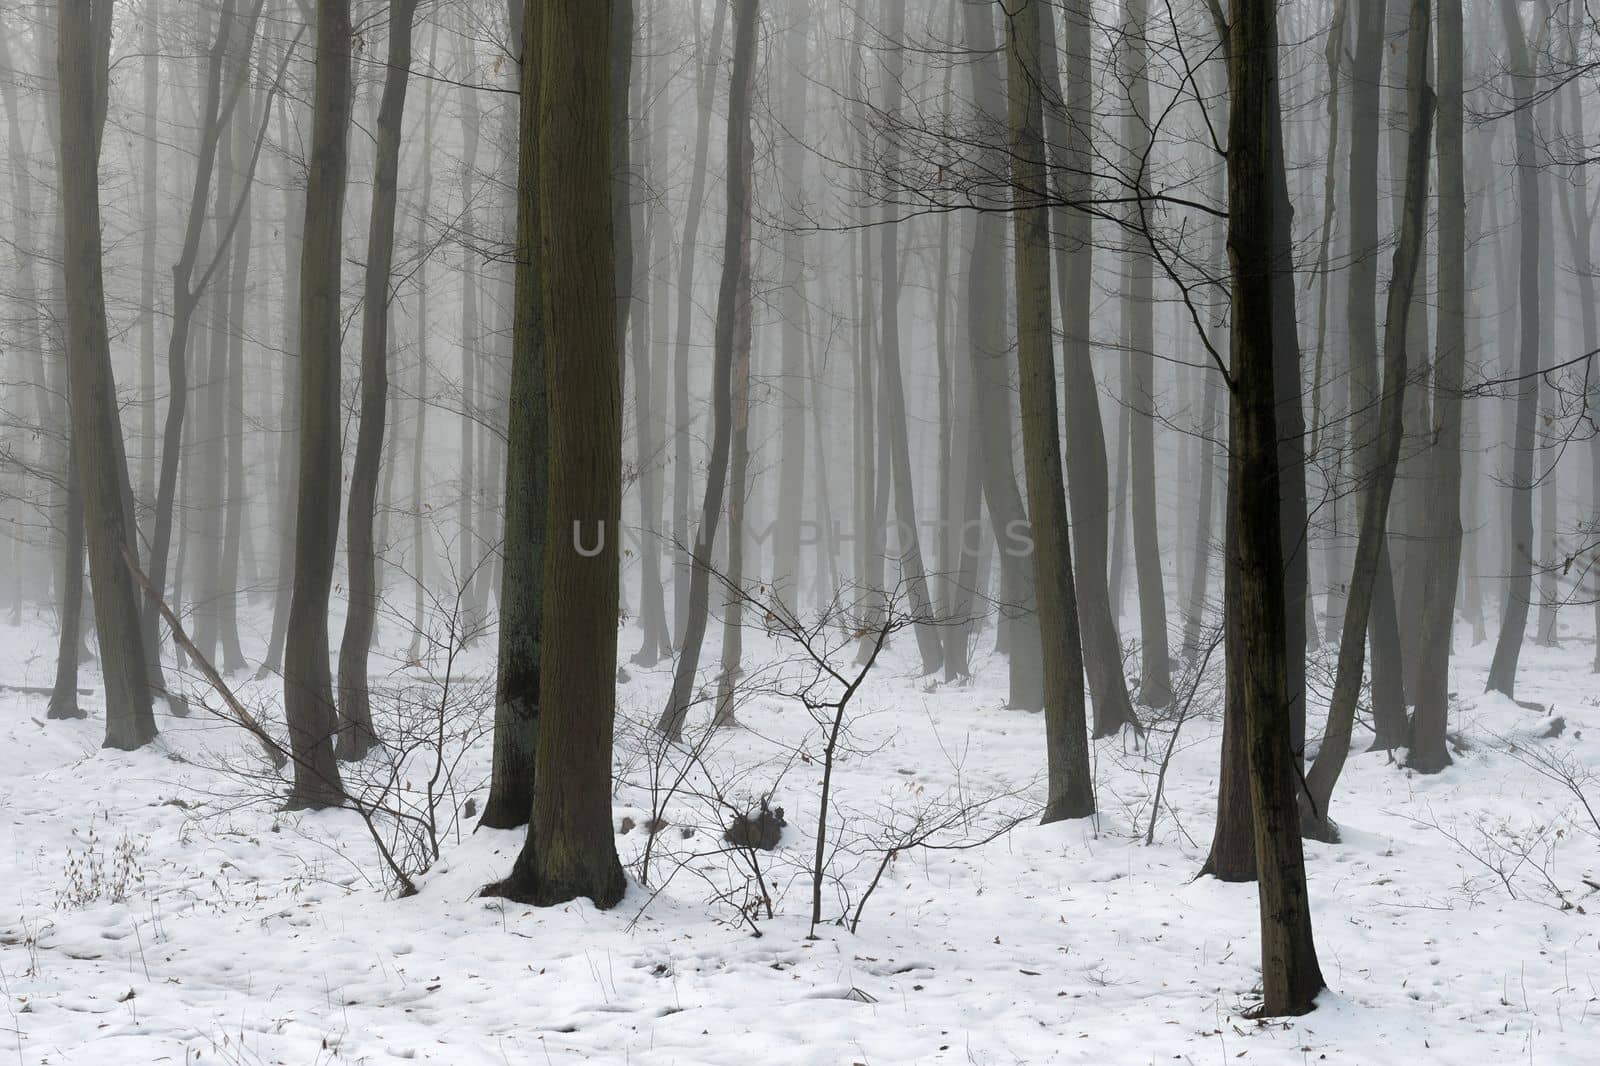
157	907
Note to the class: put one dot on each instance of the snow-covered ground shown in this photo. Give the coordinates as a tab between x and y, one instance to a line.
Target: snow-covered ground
247	935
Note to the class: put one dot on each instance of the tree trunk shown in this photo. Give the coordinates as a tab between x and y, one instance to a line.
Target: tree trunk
1378	480
728	297
1138	392
985	294
307	681
1071	787
1071	151
516	704
83	51
682	460
356	733
570	849
1428	750
1290	977
1514	617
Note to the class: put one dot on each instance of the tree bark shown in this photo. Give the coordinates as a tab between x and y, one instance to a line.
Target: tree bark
307	681
1290	975
356	733
570	849
1514	614
728	297
83	45
1071	787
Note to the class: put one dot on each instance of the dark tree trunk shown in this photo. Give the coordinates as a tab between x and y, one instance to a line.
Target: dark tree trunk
516	704
307	681
1071	786
1290	977
570	849
83	52
1428	750
356	734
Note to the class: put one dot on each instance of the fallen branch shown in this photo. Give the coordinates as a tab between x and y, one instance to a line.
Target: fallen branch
274	751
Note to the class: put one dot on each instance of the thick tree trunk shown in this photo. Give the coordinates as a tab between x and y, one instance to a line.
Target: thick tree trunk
792	438
307	681
1071	787
570	849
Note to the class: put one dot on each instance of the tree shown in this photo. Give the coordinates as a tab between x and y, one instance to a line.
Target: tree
83	45
1428	750
1155	685
516	700
570	849
1071	136
1071	787
307	681
1514	613
1290	976
729	295
355	712
1378	480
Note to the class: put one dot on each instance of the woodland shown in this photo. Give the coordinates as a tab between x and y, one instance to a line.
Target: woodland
832	530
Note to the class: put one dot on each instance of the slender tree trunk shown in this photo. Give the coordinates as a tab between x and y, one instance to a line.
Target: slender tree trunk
84	45
1071	150
516	705
1290	976
307	681
728	298
356	733
682	459
1428	750
1138	391
1514	617
1378	480
989	352
792	438
1071	787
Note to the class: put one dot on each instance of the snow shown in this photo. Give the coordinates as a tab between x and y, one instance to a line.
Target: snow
248	935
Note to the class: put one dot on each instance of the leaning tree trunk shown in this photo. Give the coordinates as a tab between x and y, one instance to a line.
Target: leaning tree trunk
682	460
1071	787
1514	616
83	51
1290	976
307	681
1388	696
356	734
1379	478
570	849
728	296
